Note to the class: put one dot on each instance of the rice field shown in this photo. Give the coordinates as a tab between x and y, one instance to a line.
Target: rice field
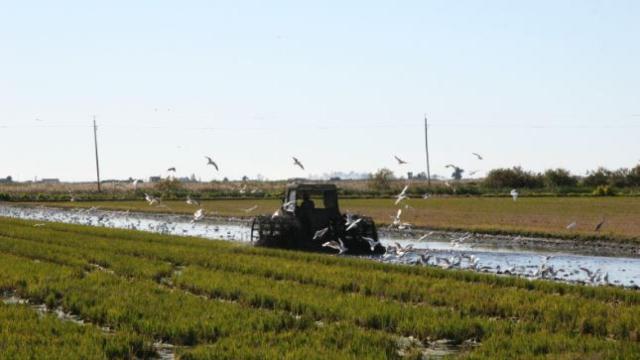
538	216
221	300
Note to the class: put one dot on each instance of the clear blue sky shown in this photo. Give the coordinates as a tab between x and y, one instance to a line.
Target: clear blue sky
341	85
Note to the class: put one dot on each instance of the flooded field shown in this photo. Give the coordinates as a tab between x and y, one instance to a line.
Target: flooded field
532	258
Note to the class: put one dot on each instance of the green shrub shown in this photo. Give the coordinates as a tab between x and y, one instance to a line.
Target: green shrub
597	178
559	178
513	178
604	190
381	180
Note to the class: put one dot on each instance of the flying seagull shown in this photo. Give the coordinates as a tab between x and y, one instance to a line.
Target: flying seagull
590	274
402	195
198	215
248	210
599	226
320	233
353	224
400	161
338	245
396	219
151	199
289	206
191	201
297	162
135	183
211	162
372	243
171	169
403	250
477	155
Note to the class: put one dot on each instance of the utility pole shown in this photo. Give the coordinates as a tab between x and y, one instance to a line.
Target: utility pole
95	142
426	144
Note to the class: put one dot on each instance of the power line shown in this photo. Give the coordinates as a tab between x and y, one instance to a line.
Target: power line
376	125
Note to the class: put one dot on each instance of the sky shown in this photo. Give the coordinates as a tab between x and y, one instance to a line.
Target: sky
343	86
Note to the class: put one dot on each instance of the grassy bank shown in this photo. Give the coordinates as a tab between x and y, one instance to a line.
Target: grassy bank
541	216
215	299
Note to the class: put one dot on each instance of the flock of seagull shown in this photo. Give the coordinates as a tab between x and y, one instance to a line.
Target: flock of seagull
338	244
457	255
462	260
397	251
199	214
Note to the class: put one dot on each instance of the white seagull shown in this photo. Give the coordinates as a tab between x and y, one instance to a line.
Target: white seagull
403	250
320	234
289	206
198	215
372	243
514	194
572	226
396	219
211	162
151	199
297	162
352	223
400	161
248	210
191	201
338	245
402	195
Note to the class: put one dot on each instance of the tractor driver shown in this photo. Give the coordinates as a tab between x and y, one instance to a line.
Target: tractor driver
306	213
307	206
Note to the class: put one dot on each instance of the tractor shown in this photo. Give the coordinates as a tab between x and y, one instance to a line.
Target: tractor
310	217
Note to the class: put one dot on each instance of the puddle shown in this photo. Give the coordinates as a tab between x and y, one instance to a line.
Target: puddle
10	298
164	351
498	254
411	347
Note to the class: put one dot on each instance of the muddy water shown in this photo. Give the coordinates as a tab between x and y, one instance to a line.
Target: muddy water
527	257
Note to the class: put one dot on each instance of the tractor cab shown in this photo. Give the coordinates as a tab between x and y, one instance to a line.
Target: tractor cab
316	205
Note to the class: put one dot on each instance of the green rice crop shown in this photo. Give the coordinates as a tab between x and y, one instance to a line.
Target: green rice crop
26	334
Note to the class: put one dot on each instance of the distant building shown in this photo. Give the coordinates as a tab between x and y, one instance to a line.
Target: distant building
7	180
155	179
50	181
